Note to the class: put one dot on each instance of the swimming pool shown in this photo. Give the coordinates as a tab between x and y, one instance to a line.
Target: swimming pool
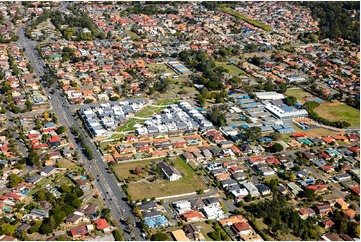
319	100
7	209
82	177
25	192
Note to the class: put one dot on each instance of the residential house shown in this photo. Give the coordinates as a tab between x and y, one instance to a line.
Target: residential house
323	209
241	228
169	172
47	171
192	216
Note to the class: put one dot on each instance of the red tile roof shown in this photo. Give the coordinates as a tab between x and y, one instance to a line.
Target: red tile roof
239	227
356	190
317	187
101	223
192	215
54	139
78	231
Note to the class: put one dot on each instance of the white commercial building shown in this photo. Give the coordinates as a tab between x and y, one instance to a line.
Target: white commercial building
269	95
286	112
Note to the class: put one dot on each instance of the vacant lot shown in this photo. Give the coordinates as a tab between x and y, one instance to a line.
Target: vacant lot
125	170
232	69
159	68
145	113
317	132
299	94
190	182
339	111
64	163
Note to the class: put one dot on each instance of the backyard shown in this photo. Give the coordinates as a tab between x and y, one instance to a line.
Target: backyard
190	182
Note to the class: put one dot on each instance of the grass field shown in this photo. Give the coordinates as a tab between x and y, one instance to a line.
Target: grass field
244	18
162	68
233	70
64	163
299	94
190	182
331	111
124	170
339	111
145	113
131	34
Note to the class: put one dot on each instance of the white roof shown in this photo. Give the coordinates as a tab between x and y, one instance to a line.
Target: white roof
269	95
279	112
240	192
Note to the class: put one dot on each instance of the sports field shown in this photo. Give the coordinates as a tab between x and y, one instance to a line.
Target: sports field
339	111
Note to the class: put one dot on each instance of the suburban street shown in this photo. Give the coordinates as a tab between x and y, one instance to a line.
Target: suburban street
106	184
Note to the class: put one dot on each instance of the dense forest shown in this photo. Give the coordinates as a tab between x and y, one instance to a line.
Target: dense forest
335	19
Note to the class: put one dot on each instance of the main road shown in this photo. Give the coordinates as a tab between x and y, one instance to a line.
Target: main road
104	181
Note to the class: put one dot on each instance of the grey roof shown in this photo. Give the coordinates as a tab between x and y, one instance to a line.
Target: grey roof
47	169
151	214
23	227
148	205
262	188
210	201
169	170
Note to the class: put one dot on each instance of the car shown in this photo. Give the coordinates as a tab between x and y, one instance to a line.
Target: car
98	179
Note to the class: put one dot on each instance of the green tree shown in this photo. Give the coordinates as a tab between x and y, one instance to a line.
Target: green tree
117	235
46	228
277	147
14	180
282	87
58	217
308	193
275	135
290	100
40	195
33	158
7	229
61	130
68	209
159	237
253	133
35	227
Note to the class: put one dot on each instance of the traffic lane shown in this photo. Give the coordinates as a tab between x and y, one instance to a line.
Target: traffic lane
321	177
58	109
55	104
